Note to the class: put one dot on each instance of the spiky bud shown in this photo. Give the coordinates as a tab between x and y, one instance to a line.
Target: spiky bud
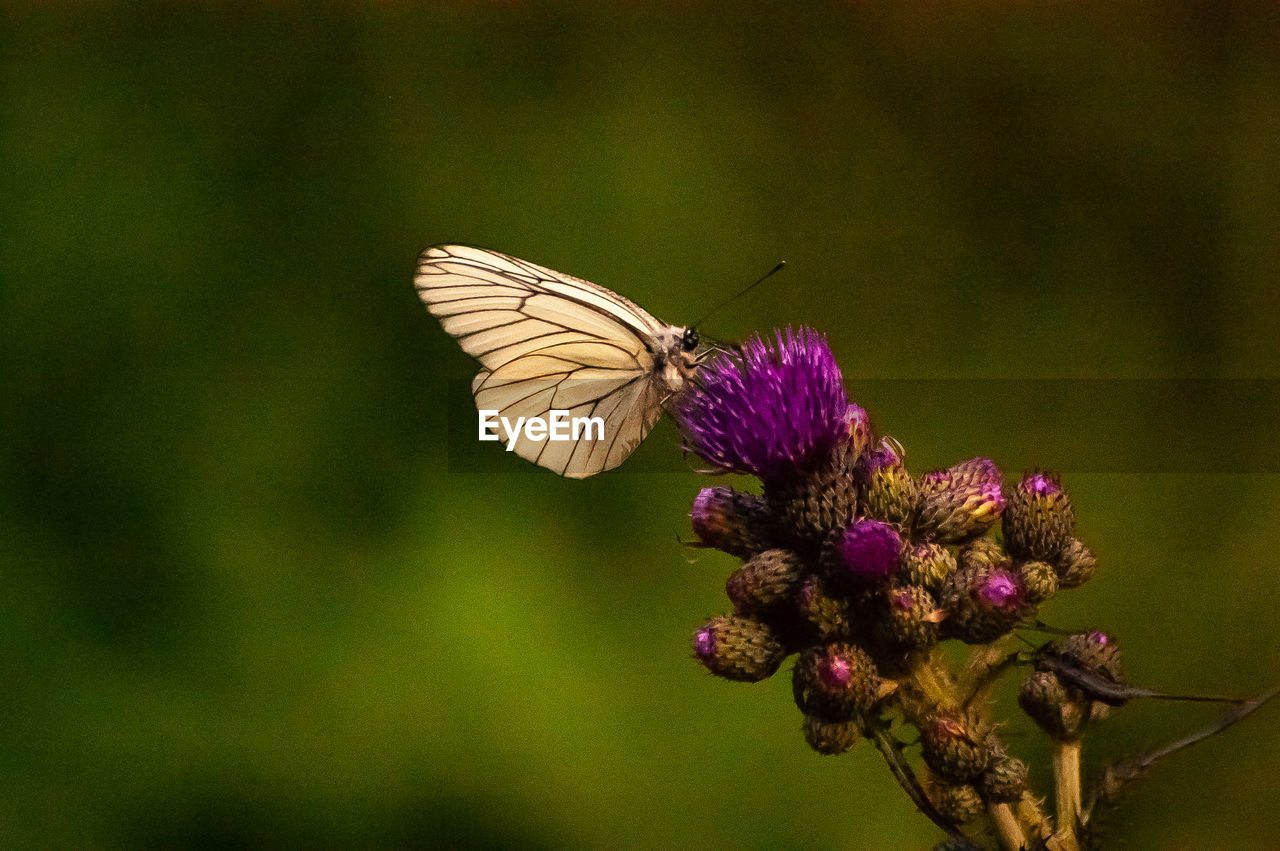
888	491
909	618
1038	518
1039	581
1049	703
865	553
926	565
957	802
836	682
763	580
956	746
1094	651
738	648
829	616
982	604
731	521
810	505
1075	564
831	737
959	502
983	553
1004	780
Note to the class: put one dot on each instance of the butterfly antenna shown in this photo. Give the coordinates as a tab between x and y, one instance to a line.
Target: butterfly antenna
749	288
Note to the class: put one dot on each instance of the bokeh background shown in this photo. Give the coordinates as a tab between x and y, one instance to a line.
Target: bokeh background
252	592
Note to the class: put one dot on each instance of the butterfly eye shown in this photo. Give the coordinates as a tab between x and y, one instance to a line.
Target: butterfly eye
690	341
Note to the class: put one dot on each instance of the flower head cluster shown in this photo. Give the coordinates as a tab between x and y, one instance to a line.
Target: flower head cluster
860	568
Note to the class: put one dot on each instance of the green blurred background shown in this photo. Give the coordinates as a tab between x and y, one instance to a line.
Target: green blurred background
250	594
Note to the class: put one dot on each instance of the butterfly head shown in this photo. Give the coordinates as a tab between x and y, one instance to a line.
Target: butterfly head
675	355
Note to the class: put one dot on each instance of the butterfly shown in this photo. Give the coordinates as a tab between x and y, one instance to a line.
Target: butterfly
548	342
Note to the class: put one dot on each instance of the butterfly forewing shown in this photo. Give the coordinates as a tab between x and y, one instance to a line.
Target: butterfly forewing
549	341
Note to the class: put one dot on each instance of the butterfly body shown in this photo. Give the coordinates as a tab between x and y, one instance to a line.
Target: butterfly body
550	342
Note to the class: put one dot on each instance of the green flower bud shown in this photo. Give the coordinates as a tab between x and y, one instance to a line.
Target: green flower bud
1095	651
927	566
738	648
763	580
830	617
836	682
909	618
957	747
727	520
831	737
956	802
1075	564
1039	581
982	604
959	502
1049	703
1038	519
983	553
1004	780
888	491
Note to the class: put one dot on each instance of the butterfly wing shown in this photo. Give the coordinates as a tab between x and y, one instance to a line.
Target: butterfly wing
548	341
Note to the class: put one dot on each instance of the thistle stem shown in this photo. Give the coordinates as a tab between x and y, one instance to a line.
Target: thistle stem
1006	825
1066	785
891	750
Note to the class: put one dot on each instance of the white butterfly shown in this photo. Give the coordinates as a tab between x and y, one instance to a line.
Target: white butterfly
548	341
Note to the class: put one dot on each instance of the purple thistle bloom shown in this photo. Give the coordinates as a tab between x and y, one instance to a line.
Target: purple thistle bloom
774	406
1041	484
869	550
704	644
1000	590
835	672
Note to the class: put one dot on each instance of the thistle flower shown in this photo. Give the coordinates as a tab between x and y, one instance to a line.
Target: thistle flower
888	491
775	406
763	580
836	682
982	603
730	521
867	552
738	648
961	501
1039	517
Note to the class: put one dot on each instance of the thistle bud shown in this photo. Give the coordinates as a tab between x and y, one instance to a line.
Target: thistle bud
959	502
1038	519
836	682
738	648
831	737
956	802
1094	651
926	566
1048	703
730	521
983	553
982	604
909	618
763	580
858	429
1039	581
1075	564
810	504
888	491
866	552
829	616
957	747
1004	780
